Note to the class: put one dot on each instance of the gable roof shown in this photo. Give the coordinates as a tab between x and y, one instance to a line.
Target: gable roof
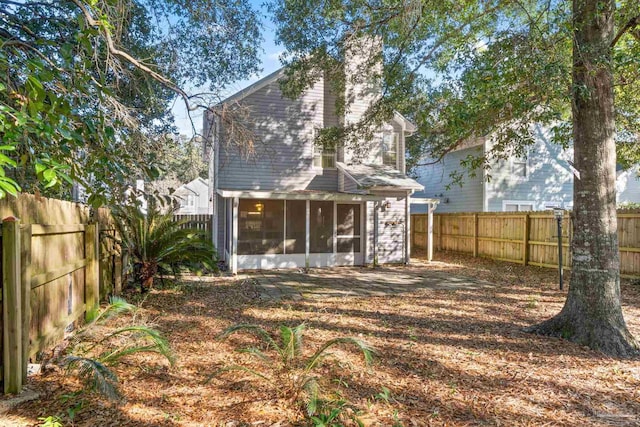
273	77
379	177
188	185
243	93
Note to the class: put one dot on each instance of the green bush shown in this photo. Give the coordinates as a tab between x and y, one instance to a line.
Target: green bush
93	352
293	372
155	242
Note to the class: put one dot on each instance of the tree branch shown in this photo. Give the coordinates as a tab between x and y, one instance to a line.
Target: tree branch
632	23
113	50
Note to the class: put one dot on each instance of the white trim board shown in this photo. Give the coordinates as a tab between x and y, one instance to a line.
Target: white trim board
533	204
296	195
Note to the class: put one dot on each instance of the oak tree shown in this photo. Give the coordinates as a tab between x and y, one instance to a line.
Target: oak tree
467	68
86	85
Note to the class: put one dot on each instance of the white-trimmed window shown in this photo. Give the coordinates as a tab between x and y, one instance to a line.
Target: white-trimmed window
517	205
324	158
390	146
519	166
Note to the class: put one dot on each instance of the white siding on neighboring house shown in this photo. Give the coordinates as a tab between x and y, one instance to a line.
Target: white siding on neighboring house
543	176
628	186
193	197
437	177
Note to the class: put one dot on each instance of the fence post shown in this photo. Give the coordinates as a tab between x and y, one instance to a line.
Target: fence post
91	272
11	306
117	274
25	272
475	235
525	240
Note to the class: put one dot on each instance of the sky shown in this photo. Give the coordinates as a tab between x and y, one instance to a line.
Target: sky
270	63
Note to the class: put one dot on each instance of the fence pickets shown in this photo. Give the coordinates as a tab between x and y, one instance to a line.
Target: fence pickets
198	222
52	269
528	238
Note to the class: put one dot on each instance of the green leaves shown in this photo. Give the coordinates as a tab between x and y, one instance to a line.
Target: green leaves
155	241
293	376
91	361
70	100
461	69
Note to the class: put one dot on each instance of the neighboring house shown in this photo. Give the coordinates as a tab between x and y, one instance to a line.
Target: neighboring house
292	204
540	180
193	197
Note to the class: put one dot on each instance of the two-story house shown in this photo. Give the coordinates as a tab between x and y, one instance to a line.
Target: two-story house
288	202
540	179
193	197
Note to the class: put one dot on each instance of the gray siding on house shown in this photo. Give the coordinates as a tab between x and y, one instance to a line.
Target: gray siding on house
391	231
437	177
350	186
220	202
283	130
549	178
330	98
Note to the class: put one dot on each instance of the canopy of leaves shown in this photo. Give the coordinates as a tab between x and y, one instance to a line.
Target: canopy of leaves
85	84
463	69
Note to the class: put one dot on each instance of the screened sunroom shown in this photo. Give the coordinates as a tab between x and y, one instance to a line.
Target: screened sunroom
263	230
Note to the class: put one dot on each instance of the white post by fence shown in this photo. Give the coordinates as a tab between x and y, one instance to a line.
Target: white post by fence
430	232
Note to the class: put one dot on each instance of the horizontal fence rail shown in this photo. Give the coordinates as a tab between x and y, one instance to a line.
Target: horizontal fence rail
528	238
59	261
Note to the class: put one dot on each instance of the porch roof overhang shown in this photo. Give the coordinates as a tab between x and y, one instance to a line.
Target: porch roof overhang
299	195
379	177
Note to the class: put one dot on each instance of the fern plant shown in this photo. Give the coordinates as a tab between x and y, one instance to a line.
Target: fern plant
91	358
155	242
294	373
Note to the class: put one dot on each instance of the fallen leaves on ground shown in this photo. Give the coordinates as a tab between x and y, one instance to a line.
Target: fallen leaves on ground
448	358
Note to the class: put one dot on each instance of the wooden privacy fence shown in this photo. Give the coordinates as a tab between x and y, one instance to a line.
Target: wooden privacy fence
199	222
58	262
529	238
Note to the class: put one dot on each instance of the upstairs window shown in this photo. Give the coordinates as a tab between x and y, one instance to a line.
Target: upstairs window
390	142
324	158
519	166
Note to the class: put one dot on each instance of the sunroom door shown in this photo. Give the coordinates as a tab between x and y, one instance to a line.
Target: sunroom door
349	233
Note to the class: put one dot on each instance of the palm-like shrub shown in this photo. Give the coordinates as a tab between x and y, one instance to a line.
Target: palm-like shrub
93	352
293	374
154	242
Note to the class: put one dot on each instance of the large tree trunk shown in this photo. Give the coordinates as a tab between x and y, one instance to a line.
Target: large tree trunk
592	314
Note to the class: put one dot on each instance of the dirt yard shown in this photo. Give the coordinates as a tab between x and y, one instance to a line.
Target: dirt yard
447	357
